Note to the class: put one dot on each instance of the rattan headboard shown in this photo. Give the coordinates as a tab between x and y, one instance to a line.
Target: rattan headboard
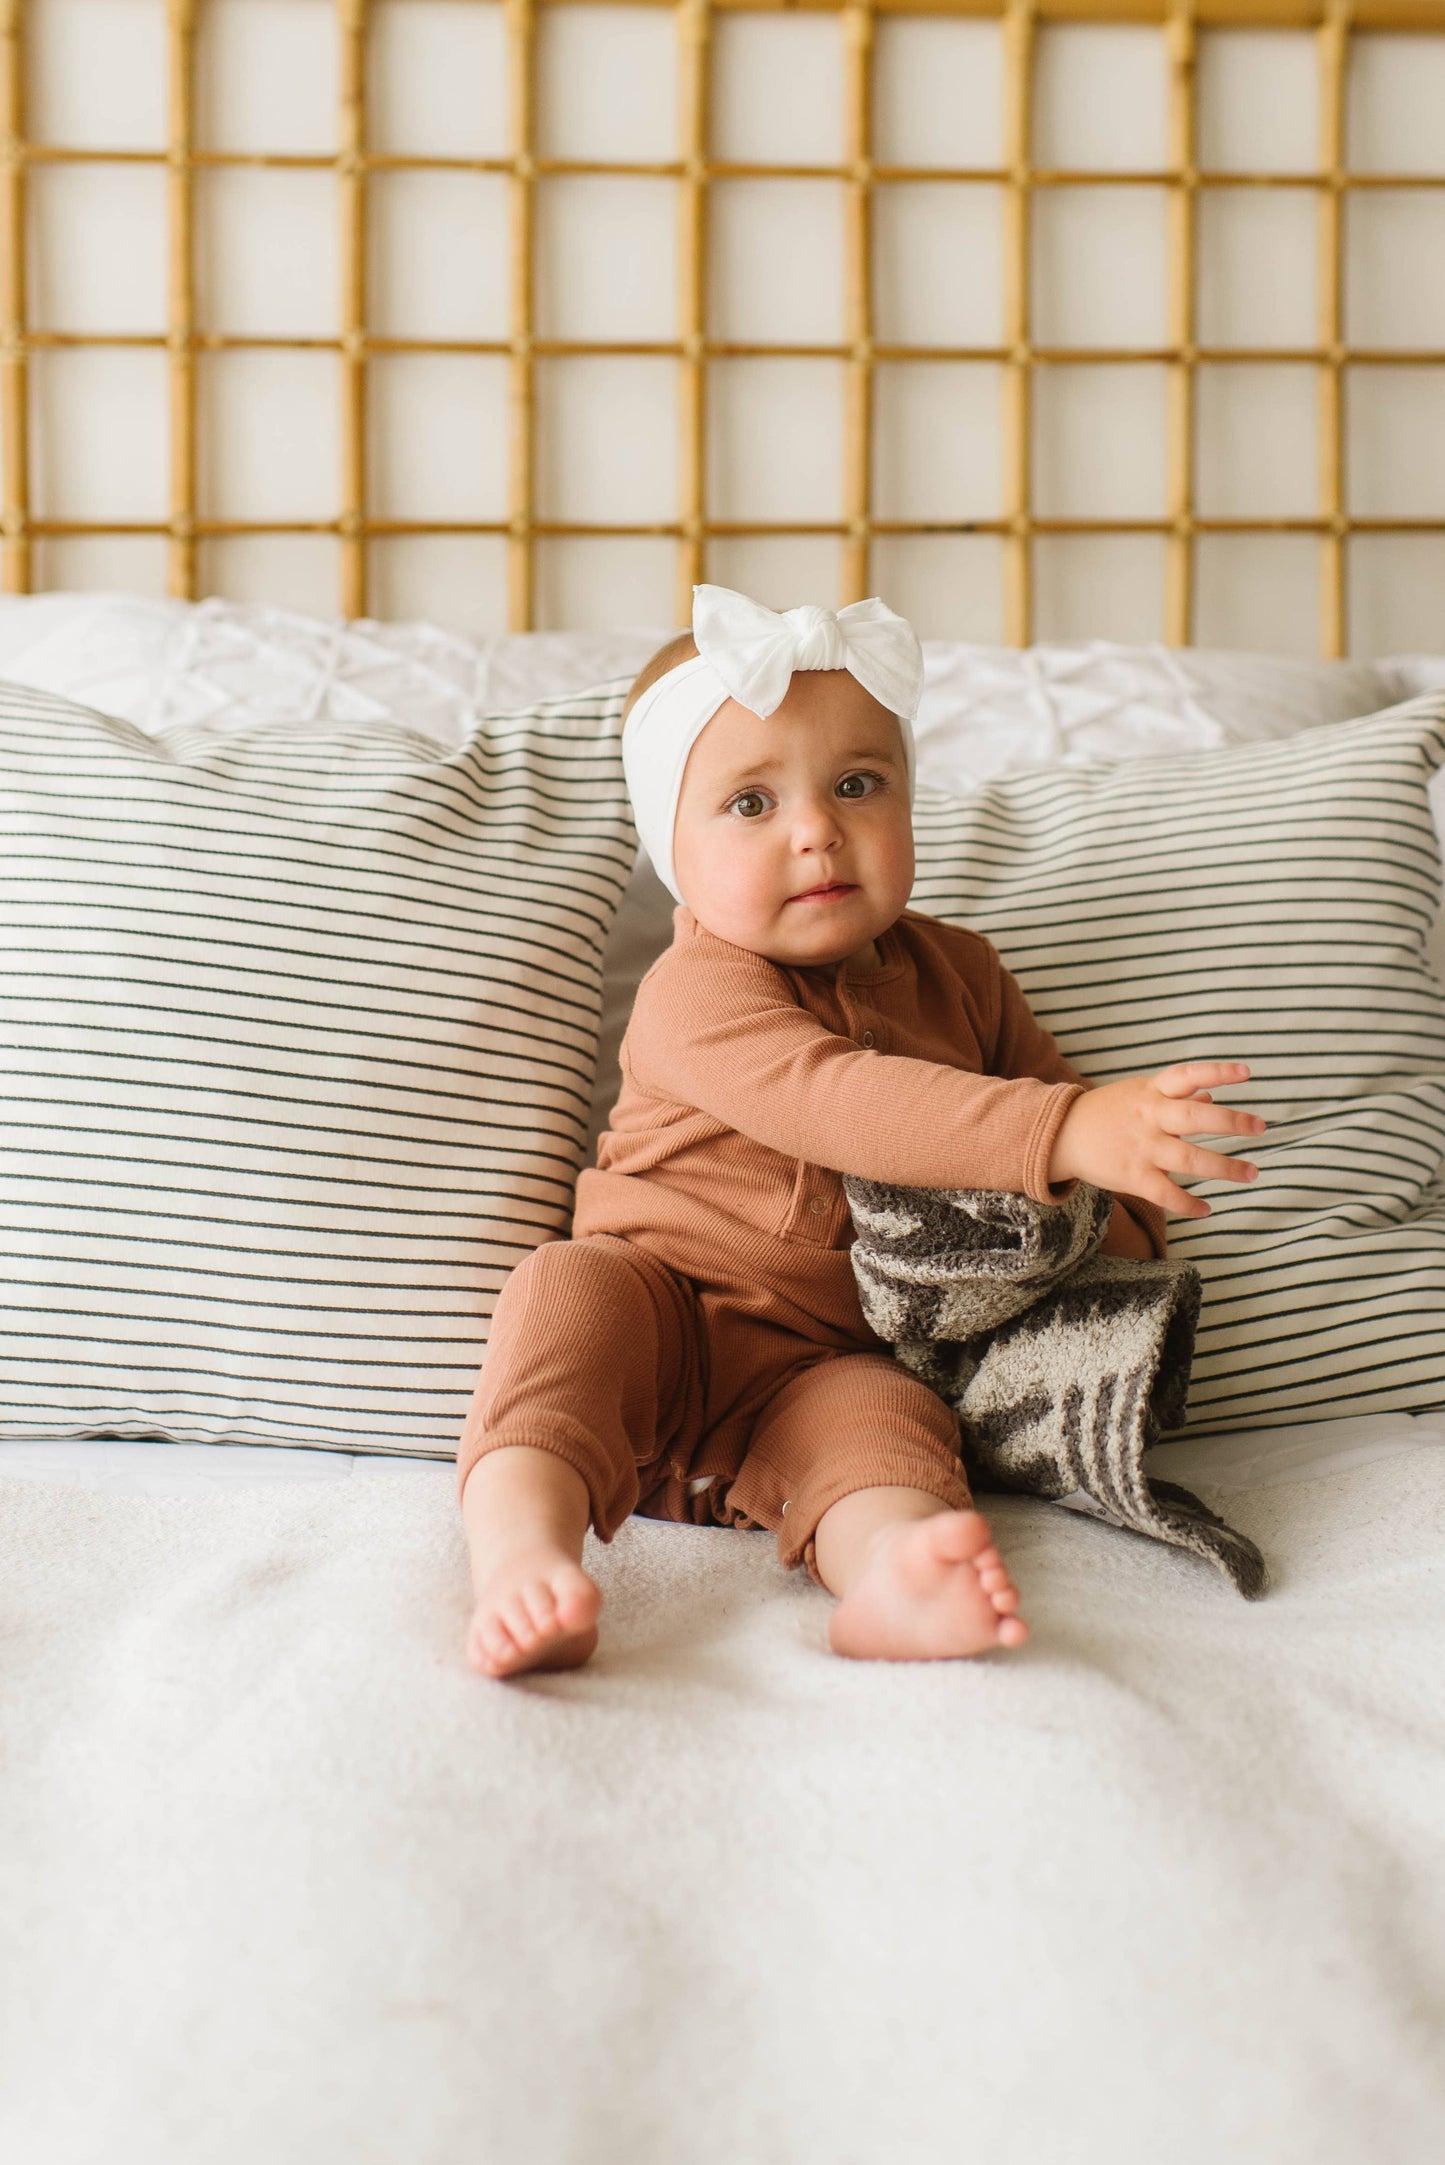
187	341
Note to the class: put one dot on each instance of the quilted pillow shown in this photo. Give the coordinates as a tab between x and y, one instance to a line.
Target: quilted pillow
1269	904
299	1033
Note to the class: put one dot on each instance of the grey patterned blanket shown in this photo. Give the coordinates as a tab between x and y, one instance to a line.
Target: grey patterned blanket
1062	1364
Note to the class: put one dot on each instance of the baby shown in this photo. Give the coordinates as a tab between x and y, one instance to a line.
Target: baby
697	1349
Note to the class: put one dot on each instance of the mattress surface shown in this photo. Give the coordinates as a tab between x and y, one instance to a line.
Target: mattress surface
283	1879
1250	1459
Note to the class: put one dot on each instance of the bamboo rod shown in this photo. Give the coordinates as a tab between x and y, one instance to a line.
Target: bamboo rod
714	348
694	35
720	168
858	48
1332	37
351	186
14	375
671	529
1254	14
1179	417
181	302
521	552
1017	401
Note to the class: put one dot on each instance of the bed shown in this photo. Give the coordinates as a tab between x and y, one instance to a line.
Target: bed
282	1877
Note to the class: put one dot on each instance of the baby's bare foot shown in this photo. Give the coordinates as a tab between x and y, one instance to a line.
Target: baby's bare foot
538	1610
928	1588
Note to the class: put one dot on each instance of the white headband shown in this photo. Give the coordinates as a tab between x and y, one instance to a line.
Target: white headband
749	653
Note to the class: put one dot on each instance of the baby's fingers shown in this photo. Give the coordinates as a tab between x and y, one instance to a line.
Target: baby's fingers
1192	1116
1238	1169
1191	1163
1177	1201
1191	1075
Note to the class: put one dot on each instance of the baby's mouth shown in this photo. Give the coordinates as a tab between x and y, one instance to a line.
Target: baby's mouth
829	889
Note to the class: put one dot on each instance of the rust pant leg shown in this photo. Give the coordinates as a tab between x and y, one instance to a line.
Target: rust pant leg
692	1407
842	1422
595	1354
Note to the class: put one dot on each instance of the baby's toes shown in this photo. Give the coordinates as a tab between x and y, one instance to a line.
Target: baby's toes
1012	1631
519	1622
542	1607
577	1599
962	1536
491	1643
997	1584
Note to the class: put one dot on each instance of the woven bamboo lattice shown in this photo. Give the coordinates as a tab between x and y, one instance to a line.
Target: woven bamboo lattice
187	342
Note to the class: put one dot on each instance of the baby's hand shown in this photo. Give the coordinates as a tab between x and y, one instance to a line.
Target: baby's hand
1125	1136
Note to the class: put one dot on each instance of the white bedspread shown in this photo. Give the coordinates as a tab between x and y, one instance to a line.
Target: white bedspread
282	1880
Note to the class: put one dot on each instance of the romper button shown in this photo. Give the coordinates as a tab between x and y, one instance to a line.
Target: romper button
867	1037
819	1204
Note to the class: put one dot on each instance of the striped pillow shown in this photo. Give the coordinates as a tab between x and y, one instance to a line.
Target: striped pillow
1269	904
297	1039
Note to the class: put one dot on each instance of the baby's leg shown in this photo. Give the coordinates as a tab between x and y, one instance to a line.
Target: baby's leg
526	1513
587	1361
855	1463
917	1581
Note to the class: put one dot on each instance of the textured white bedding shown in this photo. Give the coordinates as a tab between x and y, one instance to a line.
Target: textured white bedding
1251	1458
281	1879
226	665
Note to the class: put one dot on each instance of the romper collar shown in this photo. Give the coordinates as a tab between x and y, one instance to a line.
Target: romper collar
891	961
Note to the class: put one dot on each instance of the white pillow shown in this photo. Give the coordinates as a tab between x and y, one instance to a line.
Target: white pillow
1268	904
986	710
222	666
1000	710
299	1034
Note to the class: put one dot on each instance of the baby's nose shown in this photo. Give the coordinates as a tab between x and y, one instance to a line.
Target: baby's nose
818	823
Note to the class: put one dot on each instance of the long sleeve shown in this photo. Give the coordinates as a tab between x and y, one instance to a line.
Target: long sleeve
726	1034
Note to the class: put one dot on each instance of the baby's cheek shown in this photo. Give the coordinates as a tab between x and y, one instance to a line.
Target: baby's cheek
719	874
895	846
740	882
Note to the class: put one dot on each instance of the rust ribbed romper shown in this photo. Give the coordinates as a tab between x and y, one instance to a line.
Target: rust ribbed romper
697	1349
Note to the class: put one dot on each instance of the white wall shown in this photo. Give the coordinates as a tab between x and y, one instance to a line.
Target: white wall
267	262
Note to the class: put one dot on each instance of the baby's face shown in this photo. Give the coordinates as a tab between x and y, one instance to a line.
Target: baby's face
793	835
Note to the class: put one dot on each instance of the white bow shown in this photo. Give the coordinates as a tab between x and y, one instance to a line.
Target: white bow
748	653
755	650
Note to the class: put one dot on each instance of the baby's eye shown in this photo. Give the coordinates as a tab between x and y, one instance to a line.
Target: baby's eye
846	789
748	804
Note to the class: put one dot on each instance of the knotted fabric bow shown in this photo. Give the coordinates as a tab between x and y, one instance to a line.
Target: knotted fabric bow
748	653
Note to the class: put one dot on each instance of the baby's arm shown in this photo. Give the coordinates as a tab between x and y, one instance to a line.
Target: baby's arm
727	1035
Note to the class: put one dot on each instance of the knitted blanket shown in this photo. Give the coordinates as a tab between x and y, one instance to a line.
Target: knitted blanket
1062	1364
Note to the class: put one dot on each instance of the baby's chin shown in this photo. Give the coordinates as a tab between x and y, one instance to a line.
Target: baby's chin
798	934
